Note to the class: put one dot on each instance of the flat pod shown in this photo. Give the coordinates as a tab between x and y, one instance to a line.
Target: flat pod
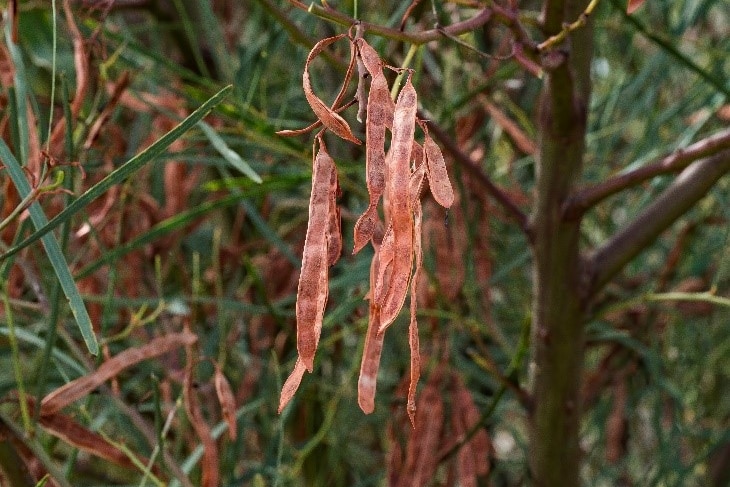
400	212
379	116
329	118
438	178
367	382
292	384
312	289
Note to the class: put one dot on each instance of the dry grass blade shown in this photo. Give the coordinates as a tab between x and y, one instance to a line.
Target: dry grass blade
312	288
379	116
76	389
227	401
292	384
401	149
438	178
329	118
367	382
210	465
65	428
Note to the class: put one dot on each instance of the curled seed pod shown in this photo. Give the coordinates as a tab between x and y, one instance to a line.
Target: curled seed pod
312	289
329	118
400	213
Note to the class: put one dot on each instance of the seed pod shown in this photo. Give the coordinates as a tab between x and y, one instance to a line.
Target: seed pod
438	179
417	181
329	118
312	289
367	382
400	213
292	384
378	117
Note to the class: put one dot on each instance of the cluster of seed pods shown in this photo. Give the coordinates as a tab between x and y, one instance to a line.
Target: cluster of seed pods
397	176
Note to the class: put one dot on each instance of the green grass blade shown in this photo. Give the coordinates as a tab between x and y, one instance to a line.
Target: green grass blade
228	154
122	172
53	250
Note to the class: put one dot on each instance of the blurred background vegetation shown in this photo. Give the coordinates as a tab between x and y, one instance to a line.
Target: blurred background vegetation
196	239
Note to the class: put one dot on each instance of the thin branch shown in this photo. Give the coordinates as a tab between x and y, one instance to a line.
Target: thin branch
689	187
553	41
588	197
417	38
475	170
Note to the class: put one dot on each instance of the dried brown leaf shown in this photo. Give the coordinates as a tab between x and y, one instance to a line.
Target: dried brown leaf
292	384
227	401
400	213
421	459
312	289
329	118
67	429
438	178
76	389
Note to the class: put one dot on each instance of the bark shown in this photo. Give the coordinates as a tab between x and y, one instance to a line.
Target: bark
558	300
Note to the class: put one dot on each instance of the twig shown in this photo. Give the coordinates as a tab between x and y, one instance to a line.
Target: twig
588	197
689	187
473	167
582	19
417	38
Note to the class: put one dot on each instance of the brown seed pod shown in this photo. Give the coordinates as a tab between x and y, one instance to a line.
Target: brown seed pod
438	178
312	289
292	384
400	213
367	382
329	118
378	118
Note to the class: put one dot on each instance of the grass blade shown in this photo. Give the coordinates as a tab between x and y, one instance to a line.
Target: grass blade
53	250
229	154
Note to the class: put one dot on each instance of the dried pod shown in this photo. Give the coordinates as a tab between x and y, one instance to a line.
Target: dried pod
312	289
438	178
292	384
367	382
329	118
400	213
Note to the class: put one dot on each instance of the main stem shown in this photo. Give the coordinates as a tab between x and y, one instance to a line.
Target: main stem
559	301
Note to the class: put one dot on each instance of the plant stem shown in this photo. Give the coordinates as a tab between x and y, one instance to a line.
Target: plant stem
558	300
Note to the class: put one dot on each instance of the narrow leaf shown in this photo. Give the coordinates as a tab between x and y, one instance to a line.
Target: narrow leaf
53	250
227	153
